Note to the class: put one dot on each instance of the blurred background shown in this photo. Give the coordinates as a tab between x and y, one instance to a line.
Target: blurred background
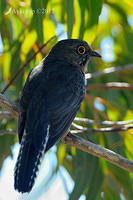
107	25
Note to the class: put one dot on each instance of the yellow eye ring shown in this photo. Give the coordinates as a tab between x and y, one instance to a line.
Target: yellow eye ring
81	50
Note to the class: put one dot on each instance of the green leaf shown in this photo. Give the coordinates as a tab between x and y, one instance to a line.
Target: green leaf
122	179
2	8
82	5
96	180
15	66
88	176
95	7
110	194
80	170
27	44
70	17
6	142
37	21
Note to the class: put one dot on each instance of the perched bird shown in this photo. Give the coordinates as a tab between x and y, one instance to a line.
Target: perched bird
49	103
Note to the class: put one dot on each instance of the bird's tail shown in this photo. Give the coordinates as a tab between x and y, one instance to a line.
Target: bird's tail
27	165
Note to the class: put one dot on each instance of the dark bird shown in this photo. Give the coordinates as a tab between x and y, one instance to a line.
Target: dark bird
49	103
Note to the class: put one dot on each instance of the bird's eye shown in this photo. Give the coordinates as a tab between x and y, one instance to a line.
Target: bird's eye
81	50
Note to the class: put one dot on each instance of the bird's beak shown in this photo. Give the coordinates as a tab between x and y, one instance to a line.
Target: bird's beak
96	54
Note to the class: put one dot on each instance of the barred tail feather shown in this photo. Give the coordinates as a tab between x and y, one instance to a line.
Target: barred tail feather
27	165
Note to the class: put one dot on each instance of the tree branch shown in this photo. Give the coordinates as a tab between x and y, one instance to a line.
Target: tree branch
74	140
111	85
109	71
9	106
4	114
7	131
100	152
84	130
103	123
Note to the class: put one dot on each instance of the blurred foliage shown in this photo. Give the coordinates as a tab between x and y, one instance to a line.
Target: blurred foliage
24	27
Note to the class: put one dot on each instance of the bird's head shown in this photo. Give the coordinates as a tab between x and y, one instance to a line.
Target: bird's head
74	51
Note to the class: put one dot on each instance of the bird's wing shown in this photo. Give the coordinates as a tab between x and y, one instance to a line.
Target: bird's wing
31	86
63	103
33	144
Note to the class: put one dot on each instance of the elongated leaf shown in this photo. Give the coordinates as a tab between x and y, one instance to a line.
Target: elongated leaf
70	17
37	21
95	7
96	180
81	171
110	194
82	5
122	177
28	43
15	66
5	147
2	8
88	176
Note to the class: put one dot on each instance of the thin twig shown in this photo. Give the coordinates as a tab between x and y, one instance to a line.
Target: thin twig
108	129
77	127
109	71
7	131
112	85
81	128
4	114
103	123
26	64
9	106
